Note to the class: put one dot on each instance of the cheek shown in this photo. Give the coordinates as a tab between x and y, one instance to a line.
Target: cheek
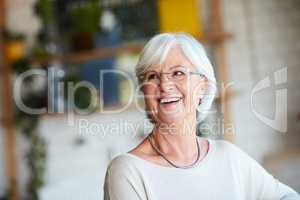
150	97
150	104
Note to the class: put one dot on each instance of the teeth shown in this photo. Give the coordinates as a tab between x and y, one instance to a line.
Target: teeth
167	100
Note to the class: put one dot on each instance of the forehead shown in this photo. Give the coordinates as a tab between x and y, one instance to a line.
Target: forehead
175	57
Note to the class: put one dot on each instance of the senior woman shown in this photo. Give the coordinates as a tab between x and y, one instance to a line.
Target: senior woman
172	162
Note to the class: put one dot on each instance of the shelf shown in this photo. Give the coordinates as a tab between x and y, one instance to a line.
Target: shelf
215	37
100	53
131	47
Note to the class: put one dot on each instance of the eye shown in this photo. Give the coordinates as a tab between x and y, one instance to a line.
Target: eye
152	76
178	73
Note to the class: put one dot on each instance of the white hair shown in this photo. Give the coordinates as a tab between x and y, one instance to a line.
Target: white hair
156	50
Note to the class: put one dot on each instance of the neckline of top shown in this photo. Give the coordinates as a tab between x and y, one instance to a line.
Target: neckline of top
211	147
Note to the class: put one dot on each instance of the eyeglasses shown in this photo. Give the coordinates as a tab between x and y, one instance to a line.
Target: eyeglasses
176	75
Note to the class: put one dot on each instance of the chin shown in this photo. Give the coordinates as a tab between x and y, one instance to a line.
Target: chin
170	118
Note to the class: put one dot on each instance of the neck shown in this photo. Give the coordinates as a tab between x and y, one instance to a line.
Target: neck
178	139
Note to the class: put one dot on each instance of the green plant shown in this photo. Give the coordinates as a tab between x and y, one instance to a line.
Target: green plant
11	36
82	96
28	126
37	152
45	8
85	17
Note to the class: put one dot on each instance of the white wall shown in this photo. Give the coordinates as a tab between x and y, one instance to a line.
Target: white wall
20	18
77	171
266	38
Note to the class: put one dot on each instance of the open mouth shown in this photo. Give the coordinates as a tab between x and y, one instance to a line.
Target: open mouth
169	100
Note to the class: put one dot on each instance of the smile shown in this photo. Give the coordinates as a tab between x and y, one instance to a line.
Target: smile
169	100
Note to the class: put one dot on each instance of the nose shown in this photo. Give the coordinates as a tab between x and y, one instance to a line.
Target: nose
165	84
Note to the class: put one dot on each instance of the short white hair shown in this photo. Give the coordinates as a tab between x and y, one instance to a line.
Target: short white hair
156	50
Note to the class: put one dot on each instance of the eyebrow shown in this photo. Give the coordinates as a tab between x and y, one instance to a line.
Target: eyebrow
175	66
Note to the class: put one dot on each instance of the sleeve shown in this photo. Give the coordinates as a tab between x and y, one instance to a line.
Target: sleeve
120	185
291	196
258	182
265	185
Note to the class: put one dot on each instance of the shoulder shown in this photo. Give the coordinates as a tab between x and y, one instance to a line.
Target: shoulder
225	145
230	148
123	170
120	164
119	170
234	155
239	160
123	180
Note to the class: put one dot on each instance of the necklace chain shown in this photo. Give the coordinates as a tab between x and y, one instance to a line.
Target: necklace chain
150	138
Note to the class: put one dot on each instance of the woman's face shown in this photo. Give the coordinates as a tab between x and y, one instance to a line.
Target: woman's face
171	92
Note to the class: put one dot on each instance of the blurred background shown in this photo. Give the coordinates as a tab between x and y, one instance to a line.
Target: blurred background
69	98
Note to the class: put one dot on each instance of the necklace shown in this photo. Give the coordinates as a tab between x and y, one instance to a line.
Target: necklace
150	138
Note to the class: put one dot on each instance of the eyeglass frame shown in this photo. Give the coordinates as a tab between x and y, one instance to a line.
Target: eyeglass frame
142	76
